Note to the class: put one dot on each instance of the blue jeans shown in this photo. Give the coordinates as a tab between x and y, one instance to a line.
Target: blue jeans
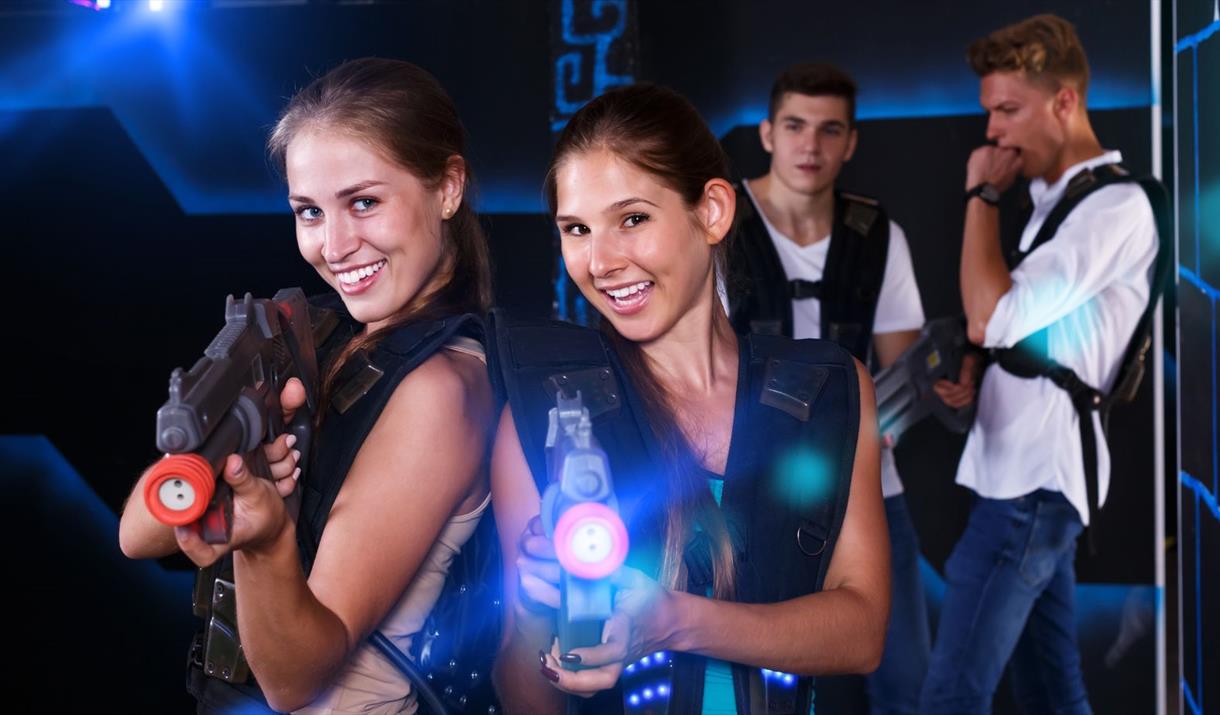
1010	594
893	689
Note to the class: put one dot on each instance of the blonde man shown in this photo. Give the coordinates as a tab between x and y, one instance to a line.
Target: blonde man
1074	297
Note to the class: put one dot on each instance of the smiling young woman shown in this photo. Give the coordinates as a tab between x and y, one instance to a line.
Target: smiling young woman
373	156
746	467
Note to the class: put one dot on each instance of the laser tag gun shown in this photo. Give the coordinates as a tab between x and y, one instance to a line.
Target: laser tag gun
580	514
904	389
229	403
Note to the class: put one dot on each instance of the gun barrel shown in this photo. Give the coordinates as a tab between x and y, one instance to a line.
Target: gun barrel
180	487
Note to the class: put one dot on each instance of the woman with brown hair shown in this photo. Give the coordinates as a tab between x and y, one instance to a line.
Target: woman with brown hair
377	181
746	467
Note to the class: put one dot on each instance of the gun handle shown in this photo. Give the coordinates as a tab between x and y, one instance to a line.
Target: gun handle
579	634
576	628
302	427
216	526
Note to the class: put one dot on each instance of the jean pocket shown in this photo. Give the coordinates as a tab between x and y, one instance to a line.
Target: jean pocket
1052	535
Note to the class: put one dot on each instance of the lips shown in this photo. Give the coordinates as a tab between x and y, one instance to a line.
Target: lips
628	299
358	280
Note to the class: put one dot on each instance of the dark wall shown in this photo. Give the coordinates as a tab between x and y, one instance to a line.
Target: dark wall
1197	155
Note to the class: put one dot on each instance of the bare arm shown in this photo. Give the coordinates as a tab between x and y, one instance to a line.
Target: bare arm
520	686
423	460
891	346
984	273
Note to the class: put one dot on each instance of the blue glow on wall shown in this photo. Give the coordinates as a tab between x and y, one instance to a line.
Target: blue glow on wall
199	114
1198	508
944	97
569	67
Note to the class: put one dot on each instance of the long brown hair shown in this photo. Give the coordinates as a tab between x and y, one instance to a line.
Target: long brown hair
660	132
402	111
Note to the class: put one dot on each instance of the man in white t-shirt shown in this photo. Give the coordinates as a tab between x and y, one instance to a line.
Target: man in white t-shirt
1079	296
810	261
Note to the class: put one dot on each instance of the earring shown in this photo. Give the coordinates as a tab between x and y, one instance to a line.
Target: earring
446	212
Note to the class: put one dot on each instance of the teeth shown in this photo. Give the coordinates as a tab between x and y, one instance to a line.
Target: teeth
625	291
351	277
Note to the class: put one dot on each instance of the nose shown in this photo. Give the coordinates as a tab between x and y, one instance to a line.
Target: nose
994	129
605	257
811	141
339	240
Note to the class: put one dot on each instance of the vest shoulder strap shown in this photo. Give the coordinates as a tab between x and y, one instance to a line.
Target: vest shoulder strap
759	299
855	270
1031	356
353	413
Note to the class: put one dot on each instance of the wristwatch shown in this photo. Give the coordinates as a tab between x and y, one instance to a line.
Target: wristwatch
987	192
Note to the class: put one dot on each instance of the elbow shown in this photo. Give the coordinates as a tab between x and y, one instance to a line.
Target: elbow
976	331
289	697
977	318
130	548
136	545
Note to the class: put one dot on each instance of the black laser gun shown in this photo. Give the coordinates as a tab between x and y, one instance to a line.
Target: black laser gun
229	403
904	389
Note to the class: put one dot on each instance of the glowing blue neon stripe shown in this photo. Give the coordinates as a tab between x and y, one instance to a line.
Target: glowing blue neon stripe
1200	489
1192	41
1193	278
1199	601
915	107
1190	699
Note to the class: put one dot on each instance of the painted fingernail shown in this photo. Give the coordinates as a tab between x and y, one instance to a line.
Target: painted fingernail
292	439
549	674
296	473
296	455
542	658
570	657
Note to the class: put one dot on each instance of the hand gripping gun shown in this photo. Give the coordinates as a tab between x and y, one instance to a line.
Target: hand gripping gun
228	403
904	389
580	514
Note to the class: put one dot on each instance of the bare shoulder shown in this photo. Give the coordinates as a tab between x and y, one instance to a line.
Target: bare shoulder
448	385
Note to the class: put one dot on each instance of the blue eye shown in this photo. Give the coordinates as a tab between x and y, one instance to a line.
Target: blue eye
309	213
364	204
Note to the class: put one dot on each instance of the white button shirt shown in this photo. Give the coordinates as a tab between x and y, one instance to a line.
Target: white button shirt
1090	284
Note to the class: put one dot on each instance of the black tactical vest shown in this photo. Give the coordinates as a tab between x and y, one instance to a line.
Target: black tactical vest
761	294
787	478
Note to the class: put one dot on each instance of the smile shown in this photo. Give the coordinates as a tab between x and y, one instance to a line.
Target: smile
630	298
360	279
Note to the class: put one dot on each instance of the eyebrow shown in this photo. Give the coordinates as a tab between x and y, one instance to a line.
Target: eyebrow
340	194
616	206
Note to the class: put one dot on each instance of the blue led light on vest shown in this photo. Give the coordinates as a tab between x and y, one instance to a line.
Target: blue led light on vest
778	678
